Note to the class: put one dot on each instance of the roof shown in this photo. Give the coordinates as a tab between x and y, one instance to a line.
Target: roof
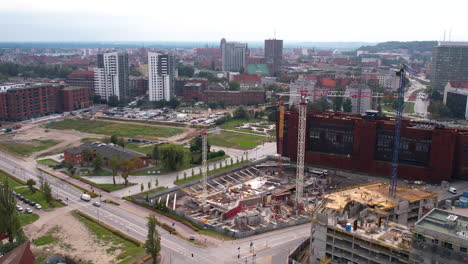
20	255
245	78
258	68
439	221
374	195
463	85
106	150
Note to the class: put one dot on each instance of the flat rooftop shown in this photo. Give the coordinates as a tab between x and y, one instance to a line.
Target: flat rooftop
374	195
438	220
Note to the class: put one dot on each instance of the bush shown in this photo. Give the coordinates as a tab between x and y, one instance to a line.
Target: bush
212	155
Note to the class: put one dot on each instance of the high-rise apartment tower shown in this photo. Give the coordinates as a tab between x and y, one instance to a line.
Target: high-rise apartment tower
274	54
449	64
234	56
111	77
161	74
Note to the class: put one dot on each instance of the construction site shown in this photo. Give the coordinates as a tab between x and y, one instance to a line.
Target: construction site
248	200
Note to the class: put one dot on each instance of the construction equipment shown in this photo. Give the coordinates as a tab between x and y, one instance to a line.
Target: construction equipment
396	140
301	148
280	137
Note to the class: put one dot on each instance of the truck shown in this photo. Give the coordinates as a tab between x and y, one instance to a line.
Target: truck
85	197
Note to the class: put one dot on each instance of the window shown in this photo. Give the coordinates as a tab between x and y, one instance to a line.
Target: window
435	241
447	245
422	147
404	145
347	139
382	142
463	249
330	136
314	134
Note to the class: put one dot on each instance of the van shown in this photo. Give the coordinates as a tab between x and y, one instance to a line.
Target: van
85	197
452	190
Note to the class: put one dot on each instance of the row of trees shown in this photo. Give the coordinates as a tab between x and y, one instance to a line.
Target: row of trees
32	71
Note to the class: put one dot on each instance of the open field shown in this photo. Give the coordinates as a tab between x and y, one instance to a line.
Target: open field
409	107
126	251
118	129
25	149
237	140
11	181
26	219
141	147
48	162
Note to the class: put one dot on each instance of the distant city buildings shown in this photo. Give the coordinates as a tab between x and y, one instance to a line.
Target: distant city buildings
274	54
298	86
161	76
360	96
234	56
82	78
449	64
111	77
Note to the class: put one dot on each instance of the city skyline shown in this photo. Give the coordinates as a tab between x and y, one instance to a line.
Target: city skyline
50	20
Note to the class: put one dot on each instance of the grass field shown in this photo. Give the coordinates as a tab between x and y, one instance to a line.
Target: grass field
141	147
118	129
45	240
236	140
127	251
409	107
237	122
26	219
48	162
37	197
11	181
26	149
198	176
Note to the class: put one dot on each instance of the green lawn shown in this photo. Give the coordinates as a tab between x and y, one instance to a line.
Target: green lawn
26	149
99	173
83	140
37	197
409	107
212	172
45	240
48	162
237	122
236	140
11	181
118	129
127	251
26	219
140	147
110	187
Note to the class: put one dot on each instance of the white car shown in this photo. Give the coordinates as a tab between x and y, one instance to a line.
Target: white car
97	204
28	211
38	206
19	208
452	190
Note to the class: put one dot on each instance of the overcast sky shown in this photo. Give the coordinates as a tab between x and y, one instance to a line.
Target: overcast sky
242	20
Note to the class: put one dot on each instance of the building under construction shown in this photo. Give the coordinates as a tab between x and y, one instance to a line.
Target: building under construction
248	200
428	152
366	224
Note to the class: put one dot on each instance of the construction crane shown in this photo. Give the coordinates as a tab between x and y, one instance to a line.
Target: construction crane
301	148
396	140
280	137
204	136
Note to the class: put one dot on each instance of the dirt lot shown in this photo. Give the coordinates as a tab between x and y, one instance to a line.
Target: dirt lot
72	238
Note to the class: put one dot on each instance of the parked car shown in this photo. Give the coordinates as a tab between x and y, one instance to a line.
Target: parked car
32	203
38	206
19	208
452	190
28	211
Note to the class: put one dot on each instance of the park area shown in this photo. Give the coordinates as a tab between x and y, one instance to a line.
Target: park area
26	148
118	129
237	140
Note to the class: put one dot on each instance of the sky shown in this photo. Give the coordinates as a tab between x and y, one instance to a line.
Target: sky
239	20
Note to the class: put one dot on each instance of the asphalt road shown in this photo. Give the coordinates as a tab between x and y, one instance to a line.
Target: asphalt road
272	247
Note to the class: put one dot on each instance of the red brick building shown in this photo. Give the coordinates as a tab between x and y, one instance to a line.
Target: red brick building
428	152
82	78
107	151
22	254
29	101
72	98
37	100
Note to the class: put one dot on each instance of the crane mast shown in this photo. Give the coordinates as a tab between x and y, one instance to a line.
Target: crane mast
280	137
301	148
204	165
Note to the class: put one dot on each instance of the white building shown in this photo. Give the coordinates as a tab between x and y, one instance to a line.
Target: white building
111	77
160	76
298	86
7	86
234	56
389	80
361	97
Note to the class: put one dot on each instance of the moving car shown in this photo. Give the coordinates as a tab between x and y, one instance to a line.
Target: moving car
97	204
38	206
85	197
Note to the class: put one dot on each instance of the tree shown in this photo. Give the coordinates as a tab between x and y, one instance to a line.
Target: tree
113	101
47	191
114	139
142	187
347	106
155	154
9	220
149	185
134	71
121	142
234	86
337	104
197	144
153	241
321	104
156	182
98	161
436	96
272	116
31	184
173	103
114	165
438	109
172	156
241	113
87	157
185	70
96	99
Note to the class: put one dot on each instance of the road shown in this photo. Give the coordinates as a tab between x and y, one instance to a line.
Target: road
271	247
